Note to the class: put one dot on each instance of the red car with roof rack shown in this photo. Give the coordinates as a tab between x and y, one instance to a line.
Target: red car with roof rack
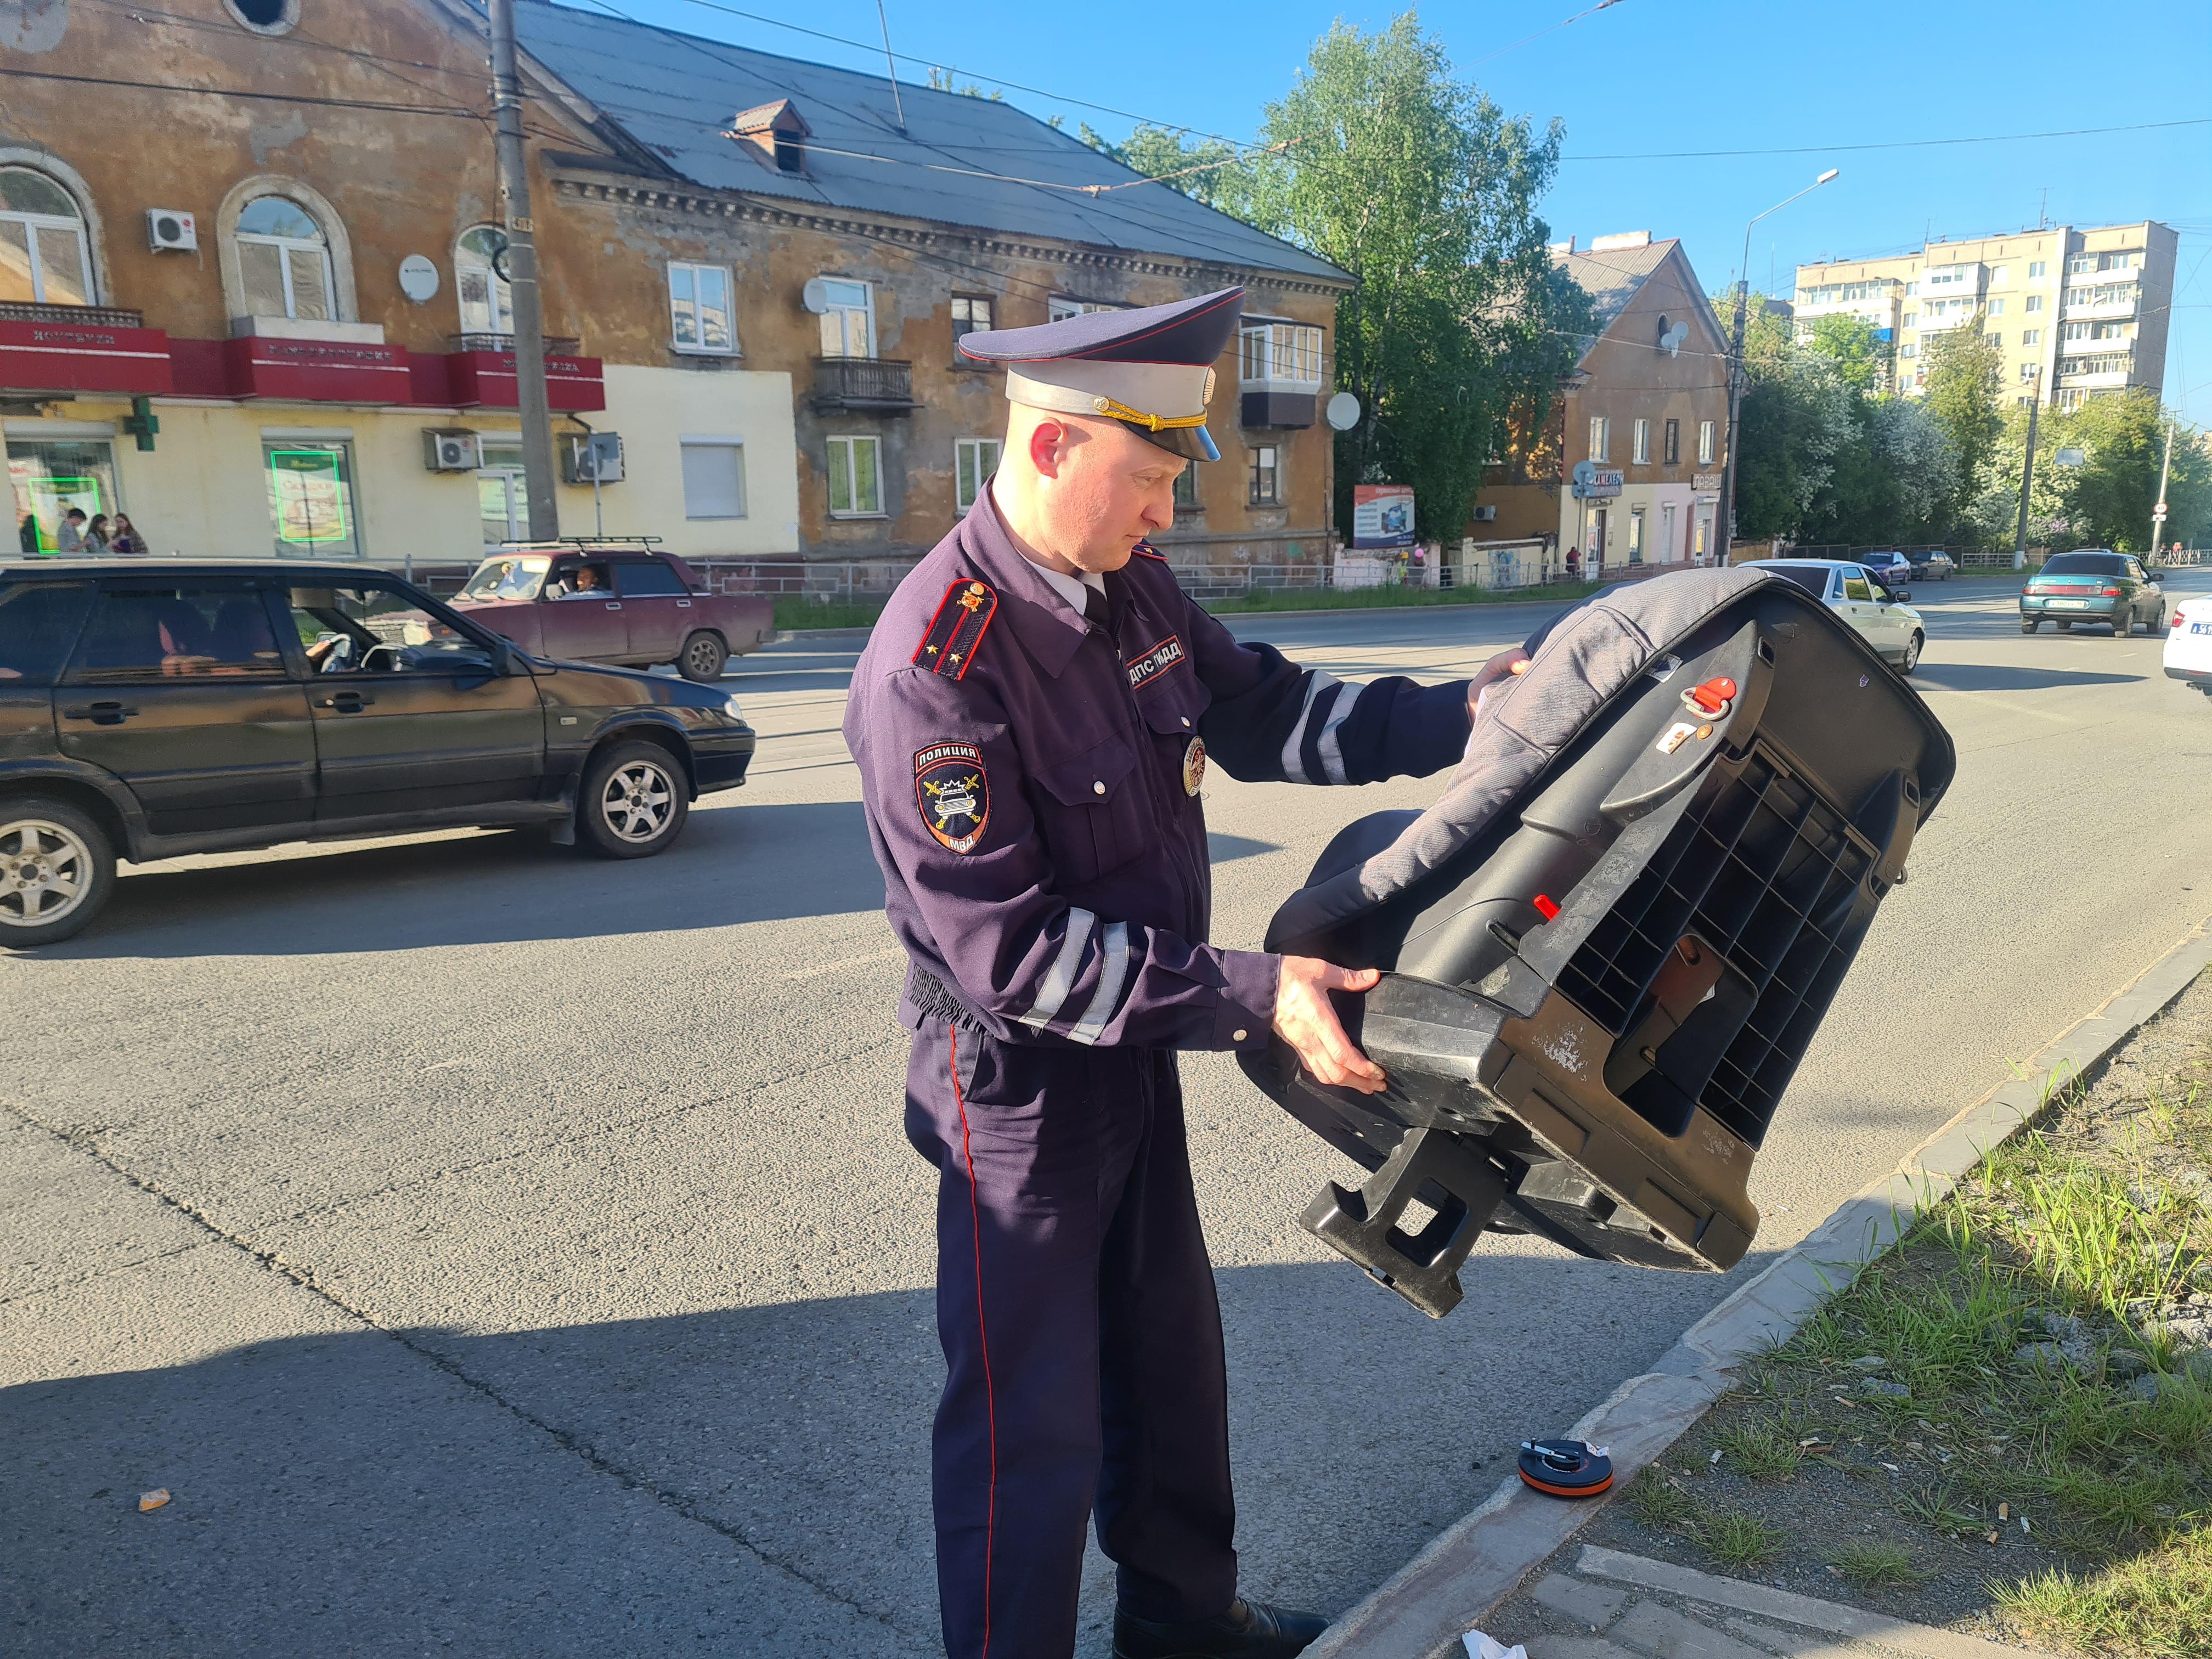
616	600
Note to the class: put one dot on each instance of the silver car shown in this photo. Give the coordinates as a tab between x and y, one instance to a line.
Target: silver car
1852	591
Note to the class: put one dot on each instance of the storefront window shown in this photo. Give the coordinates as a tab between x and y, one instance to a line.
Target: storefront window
311	499
50	476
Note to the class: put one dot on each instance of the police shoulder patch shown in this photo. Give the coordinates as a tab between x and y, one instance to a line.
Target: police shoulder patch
954	794
1149	551
964	615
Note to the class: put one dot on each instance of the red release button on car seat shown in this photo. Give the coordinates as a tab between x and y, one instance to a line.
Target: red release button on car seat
1713	696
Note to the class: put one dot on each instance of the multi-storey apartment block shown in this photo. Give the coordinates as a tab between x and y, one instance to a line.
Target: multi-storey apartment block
2075	312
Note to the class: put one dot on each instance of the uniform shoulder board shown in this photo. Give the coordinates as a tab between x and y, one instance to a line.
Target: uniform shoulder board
964	615
1149	551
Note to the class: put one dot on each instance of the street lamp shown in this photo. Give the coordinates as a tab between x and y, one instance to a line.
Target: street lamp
1736	363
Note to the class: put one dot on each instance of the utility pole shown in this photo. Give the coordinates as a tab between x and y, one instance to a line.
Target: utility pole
2158	514
521	262
2027	472
1736	373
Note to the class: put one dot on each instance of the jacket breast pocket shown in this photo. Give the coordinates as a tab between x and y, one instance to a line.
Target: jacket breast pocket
1093	810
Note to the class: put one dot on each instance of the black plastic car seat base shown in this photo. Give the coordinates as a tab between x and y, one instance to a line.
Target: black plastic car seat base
1442	1170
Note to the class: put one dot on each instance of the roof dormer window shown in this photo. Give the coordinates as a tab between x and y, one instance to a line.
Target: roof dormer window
778	131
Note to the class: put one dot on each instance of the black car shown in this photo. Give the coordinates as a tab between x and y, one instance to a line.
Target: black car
166	706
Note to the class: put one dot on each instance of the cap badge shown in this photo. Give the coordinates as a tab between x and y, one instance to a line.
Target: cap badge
1207	396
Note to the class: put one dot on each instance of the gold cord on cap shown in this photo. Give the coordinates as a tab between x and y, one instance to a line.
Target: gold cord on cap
1105	405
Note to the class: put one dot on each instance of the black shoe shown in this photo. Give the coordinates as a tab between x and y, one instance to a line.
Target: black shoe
1249	1630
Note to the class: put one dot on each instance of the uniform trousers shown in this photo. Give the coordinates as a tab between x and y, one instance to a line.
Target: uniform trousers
1081	1339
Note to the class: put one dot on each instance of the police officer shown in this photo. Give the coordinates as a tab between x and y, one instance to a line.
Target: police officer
1032	718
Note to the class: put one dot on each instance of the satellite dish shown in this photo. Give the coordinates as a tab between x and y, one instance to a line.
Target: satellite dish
815	296
1343	412
418	278
1671	341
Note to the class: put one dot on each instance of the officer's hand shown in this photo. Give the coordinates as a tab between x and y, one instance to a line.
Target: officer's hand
1502	666
1304	1019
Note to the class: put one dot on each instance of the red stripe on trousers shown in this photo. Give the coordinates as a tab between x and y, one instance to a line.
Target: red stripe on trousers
983	1333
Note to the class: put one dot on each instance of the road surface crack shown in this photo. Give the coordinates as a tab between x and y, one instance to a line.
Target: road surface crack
83	1143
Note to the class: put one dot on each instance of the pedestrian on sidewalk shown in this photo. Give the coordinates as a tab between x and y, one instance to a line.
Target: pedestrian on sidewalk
1032	718
69	539
124	539
95	536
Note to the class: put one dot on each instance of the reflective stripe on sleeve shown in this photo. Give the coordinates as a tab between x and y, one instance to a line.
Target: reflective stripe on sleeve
1294	765
1111	973
1061	977
1332	751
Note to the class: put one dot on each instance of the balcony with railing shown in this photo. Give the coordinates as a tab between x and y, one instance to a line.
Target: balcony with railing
2106	309
23	311
882	385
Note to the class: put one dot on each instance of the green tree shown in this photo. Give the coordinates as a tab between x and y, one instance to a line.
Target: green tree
1426	192
1795	422
1862	362
1173	157
1962	383
2109	497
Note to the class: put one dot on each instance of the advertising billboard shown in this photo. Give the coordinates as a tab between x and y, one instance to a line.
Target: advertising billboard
1382	515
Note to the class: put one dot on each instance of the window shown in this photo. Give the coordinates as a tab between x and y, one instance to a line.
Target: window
2073	330
971	314
1599	429
1908	349
1667	533
1636	535
1264	475
2027	371
2080	263
1281	352
974	461
486	301
2029	336
311	498
1186	490
1640	443
284	261
1994	339
856	489
714	478
1702	535
1672	452
1858	588
368	627
2035	268
1059	309
40	621
1912	319
43	257
699	308
1911	289
1997	307
48	477
651	579
1705	443
163	631
848	318
2034	302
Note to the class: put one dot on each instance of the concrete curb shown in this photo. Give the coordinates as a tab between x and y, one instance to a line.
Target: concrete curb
1424	1609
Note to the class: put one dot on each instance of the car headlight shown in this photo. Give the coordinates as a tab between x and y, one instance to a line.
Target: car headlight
730	707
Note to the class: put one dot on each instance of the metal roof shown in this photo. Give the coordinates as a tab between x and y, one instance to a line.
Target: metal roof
1612	277
675	95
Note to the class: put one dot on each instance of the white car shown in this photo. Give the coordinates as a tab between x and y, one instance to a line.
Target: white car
1850	590
2188	645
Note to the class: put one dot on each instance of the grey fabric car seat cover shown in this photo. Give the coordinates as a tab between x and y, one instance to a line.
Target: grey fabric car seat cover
1579	662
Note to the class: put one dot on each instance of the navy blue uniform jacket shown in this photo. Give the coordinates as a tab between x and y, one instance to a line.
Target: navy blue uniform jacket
1042	856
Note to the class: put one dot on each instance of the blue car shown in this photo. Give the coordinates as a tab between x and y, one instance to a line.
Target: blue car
1892	570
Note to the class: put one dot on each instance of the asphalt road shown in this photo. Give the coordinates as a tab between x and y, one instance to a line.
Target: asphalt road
497	1250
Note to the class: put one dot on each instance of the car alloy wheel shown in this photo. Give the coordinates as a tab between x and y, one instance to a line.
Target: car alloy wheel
1912	647
637	801
46	872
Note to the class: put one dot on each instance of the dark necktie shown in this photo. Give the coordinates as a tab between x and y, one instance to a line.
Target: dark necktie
1094	608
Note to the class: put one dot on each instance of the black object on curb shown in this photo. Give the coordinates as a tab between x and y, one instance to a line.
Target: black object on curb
1565	1469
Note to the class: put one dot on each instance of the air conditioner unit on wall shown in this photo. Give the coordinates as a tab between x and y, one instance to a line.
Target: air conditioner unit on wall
451	449
1484	515
595	458
170	231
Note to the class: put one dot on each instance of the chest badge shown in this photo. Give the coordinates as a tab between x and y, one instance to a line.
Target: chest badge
1193	766
954	794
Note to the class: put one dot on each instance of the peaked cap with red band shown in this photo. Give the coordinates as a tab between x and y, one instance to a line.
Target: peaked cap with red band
1151	369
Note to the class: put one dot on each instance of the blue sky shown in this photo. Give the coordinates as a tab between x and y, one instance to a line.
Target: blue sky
1646	77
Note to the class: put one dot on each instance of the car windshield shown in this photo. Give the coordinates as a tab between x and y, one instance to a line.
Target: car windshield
507	578
1813	578
2085	564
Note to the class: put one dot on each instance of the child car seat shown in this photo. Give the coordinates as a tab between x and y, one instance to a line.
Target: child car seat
1606	947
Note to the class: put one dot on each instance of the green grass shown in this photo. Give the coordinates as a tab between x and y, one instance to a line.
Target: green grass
1877	1566
2158	1604
1737	1539
797	612
1731	1537
1764	1451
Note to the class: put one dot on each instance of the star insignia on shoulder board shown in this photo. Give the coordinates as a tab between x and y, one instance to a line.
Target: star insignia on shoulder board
949	645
